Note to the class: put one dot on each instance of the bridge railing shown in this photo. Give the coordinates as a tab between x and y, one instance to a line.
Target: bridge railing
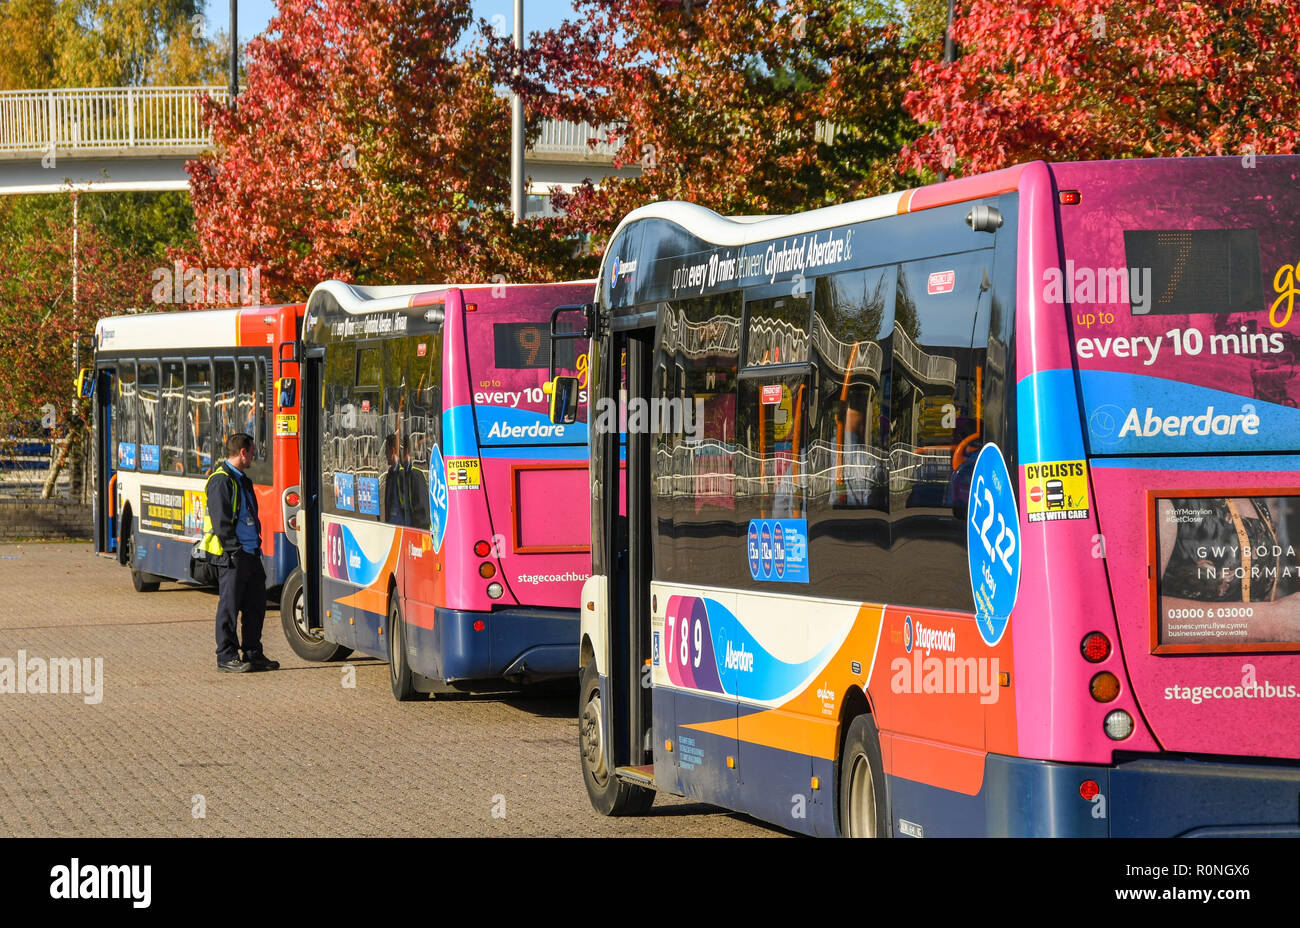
105	118
152	119
573	138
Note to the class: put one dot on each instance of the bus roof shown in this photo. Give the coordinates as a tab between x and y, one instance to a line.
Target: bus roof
734	231
355	299
195	328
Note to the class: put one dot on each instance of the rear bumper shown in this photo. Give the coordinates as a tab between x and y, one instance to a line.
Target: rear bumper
521	645
1187	797
1142	797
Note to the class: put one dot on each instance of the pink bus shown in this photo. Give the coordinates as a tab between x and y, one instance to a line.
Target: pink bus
430	478
982	516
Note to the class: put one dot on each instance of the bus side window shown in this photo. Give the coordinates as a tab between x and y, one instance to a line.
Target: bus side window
223	406
173	418
422	429
938	358
125	414
148	416
250	415
198	418
771	408
337	418
694	486
392	490
848	461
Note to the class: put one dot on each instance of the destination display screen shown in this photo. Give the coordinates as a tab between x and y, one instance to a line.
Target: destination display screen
526	345
1194	271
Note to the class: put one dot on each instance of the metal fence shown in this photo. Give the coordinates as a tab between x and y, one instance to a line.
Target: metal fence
25	461
104	119
148	120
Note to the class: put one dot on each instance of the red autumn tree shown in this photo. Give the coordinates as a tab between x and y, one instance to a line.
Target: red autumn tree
370	146
744	106
1082	79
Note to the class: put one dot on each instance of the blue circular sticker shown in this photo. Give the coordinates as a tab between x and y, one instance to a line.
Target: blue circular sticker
993	543
753	549
778	550
765	548
439	498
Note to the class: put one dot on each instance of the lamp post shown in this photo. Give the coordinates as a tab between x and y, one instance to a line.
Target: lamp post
949	56
234	50
517	204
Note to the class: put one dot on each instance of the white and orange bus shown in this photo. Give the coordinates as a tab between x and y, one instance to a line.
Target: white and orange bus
168	389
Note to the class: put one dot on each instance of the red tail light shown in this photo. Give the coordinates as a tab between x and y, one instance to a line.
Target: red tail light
1088	789
1095	647
293	499
482	548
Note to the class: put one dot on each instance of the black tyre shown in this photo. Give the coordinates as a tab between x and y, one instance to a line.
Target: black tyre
142	581
608	794
864	807
308	643
399	671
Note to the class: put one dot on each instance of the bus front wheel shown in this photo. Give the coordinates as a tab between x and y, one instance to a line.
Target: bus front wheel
143	582
308	643
864	812
609	795
399	671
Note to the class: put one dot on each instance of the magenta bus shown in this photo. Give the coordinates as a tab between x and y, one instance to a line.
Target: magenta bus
986	520
430	478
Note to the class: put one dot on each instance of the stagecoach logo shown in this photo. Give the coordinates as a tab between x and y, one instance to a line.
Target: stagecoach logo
907	634
621	269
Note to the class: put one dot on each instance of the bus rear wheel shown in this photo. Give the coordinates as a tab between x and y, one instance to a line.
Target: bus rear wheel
308	643
608	794
399	671
143	582
864	812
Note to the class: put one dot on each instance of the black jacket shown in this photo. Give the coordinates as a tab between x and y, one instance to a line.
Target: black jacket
219	505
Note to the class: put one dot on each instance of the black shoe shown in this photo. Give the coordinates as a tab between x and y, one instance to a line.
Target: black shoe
234	665
260	662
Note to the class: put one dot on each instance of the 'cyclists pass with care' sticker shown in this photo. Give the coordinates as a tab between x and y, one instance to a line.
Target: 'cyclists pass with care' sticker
993	544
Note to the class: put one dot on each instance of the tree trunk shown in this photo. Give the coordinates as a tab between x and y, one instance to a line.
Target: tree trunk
71	447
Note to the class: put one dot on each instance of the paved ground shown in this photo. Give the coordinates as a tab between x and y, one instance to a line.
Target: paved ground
293	752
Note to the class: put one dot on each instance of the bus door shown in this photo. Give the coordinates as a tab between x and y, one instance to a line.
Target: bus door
105	464
309	525
629	554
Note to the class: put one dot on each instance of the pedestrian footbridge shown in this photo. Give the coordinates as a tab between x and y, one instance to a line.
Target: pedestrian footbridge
139	138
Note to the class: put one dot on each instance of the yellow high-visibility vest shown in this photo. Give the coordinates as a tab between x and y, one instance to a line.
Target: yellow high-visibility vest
211	543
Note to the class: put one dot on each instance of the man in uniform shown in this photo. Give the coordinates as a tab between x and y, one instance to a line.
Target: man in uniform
241	579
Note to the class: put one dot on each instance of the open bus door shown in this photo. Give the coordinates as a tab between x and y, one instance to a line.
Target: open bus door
311	372
98	386
623	533
632	562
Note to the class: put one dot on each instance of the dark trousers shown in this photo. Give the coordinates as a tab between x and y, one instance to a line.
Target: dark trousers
242	588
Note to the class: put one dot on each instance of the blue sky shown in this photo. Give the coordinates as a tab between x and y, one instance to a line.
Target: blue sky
254	15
